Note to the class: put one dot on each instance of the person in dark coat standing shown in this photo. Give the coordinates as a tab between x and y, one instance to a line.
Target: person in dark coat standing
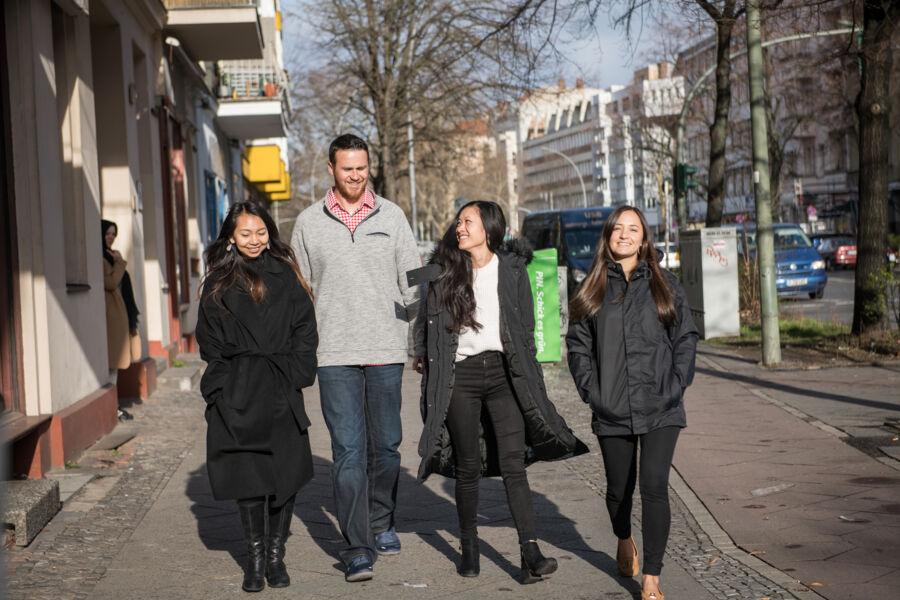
484	402
631	350
257	332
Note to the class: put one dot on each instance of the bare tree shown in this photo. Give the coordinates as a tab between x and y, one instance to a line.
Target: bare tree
724	14
873	104
432	63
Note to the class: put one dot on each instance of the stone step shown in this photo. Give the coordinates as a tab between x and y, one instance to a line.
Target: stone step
179	378
121	433
28	505
161	365
70	481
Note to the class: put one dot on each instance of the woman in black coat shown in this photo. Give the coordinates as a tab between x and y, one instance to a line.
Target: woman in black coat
631	352
257	332
484	402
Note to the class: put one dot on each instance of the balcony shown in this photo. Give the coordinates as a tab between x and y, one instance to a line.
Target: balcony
264	167
216	29
252	100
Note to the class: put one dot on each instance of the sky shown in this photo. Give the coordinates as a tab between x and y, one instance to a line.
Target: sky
602	58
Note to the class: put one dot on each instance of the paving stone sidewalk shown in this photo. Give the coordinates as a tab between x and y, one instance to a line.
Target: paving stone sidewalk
149	528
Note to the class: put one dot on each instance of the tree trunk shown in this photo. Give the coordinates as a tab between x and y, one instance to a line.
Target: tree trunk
873	112
718	131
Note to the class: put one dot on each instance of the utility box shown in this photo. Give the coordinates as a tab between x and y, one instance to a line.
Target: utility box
709	273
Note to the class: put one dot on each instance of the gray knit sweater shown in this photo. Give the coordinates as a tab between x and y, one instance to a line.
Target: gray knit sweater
363	305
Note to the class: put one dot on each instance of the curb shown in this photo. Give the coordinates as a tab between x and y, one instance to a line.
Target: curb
723	542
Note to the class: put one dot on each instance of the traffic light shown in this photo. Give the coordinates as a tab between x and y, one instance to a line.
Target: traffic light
684	178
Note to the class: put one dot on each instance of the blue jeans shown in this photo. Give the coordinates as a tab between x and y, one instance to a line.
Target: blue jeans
361	406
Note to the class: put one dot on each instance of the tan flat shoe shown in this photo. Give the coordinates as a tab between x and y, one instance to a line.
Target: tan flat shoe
652	595
627	561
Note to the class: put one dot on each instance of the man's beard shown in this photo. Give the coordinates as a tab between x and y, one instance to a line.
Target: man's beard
347	194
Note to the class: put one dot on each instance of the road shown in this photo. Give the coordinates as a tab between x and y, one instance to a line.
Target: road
836	305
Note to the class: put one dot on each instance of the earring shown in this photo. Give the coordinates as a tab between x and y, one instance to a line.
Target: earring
229	246
268	245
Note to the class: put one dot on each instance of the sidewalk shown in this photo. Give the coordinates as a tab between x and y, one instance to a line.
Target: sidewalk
150	528
785	486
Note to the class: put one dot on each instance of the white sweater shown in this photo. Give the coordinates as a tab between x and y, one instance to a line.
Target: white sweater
487	313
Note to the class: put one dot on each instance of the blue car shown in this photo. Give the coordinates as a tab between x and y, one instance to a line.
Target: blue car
799	268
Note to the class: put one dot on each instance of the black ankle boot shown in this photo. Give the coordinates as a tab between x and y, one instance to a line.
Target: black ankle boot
469	565
534	564
253	518
279	526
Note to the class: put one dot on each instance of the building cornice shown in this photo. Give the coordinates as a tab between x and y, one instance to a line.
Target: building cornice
149	14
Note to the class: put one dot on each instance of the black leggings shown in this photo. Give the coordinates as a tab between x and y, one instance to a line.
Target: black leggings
620	461
482	380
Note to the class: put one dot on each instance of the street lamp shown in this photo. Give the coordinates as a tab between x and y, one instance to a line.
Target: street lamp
577	172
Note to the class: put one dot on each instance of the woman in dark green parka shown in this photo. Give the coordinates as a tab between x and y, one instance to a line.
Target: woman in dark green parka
631	345
484	401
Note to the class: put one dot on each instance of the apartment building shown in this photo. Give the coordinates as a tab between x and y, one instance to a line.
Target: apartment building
526	119
608	149
812	85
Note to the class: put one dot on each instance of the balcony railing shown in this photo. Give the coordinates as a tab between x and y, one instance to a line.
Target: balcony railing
250	80
194	4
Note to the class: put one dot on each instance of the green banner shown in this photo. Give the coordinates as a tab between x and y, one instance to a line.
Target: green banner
545	289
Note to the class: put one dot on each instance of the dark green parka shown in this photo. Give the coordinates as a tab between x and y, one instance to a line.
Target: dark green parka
546	434
628	366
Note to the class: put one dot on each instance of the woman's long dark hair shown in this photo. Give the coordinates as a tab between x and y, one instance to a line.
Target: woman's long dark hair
226	267
104	227
592	292
457	295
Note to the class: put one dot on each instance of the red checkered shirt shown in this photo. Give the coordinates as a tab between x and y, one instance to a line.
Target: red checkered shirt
350	220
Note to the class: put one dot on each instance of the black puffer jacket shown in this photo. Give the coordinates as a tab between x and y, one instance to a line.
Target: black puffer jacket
546	434
627	365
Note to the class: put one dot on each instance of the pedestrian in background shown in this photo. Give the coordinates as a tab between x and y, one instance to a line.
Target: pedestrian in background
123	339
257	332
631	349
356	247
483	388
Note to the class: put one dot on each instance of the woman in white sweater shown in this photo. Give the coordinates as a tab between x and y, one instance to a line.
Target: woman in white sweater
484	401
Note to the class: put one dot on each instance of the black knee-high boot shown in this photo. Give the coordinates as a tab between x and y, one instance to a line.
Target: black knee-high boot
279	527
253	518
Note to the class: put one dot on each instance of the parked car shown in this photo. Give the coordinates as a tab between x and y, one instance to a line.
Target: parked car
838	252
574	233
799	268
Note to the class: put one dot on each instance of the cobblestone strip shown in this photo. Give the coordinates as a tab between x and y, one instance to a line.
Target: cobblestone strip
714	561
69	564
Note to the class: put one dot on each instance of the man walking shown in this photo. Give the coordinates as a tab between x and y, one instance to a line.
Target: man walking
355	248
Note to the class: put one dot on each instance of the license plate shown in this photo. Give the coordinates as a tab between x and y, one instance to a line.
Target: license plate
796	282
851	252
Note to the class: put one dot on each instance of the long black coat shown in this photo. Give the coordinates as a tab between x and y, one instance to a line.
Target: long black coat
259	357
546	434
629	367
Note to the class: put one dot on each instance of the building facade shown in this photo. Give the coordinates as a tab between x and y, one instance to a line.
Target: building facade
609	148
112	110
812	85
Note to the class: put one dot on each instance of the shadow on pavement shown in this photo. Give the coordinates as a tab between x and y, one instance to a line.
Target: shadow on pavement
734	357
790	389
420	511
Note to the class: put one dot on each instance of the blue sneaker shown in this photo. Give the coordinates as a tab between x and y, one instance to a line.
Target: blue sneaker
360	568
387	542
